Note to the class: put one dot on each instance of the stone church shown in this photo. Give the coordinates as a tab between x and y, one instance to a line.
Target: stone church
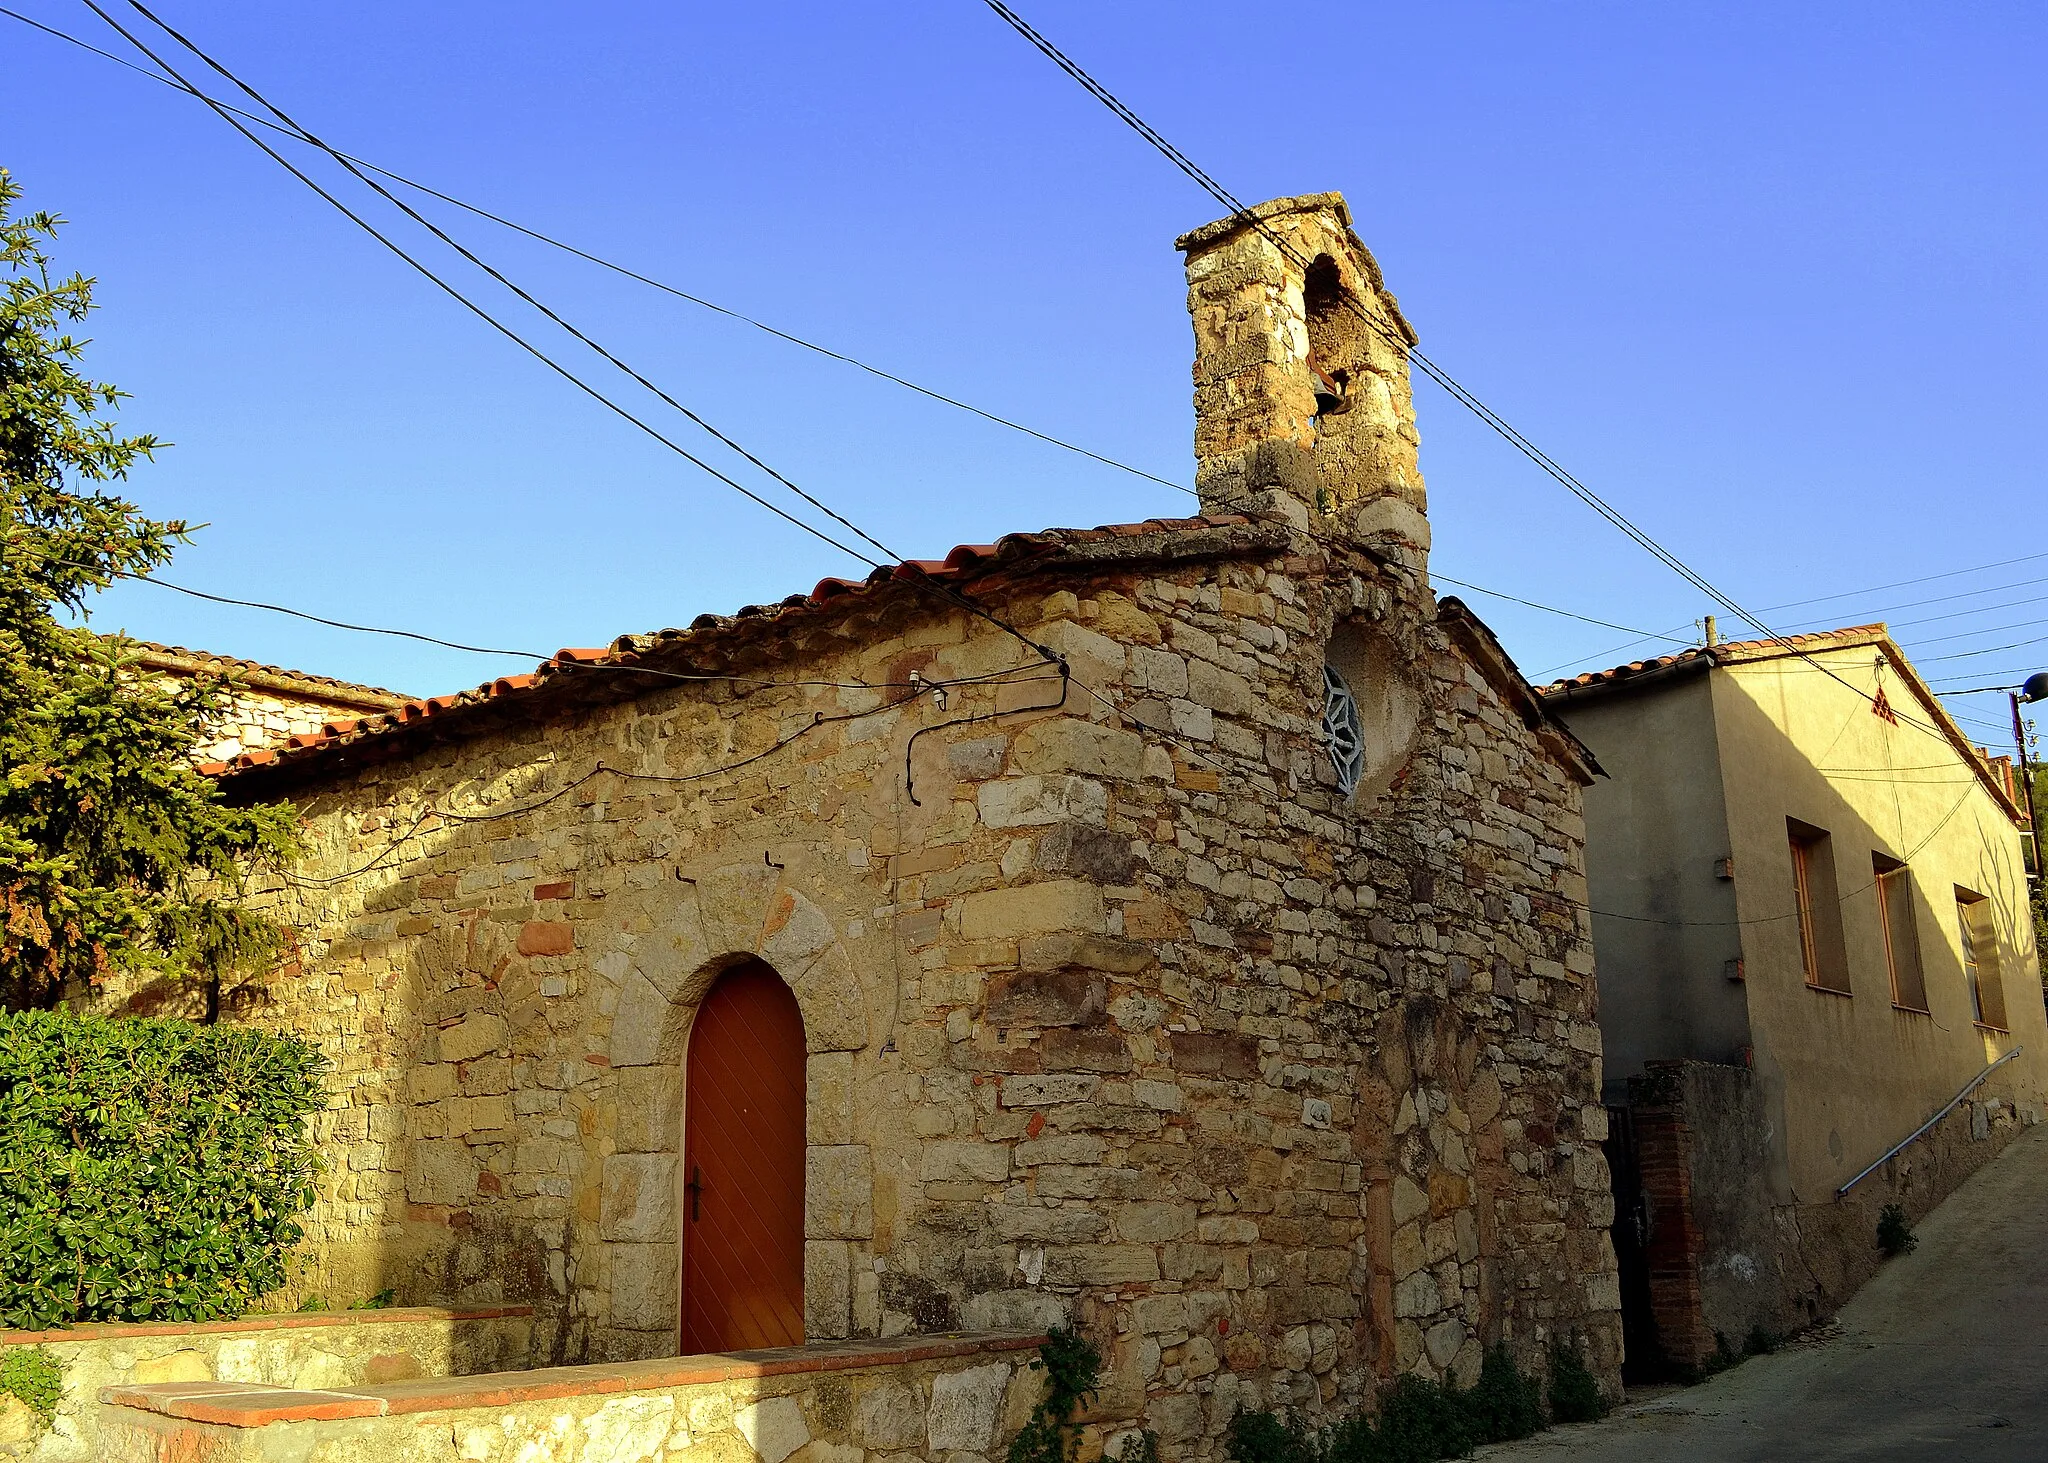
1178	927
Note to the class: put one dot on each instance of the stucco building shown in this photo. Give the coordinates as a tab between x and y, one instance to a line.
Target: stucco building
1810	912
1177	926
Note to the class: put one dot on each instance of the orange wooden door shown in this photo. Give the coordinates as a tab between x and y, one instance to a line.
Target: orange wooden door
743	1167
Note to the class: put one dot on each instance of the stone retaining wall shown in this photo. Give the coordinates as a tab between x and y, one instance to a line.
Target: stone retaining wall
307	1349
955	1398
1723	1259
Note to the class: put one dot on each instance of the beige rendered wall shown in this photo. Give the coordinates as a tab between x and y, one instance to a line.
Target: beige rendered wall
1663	922
1852	1075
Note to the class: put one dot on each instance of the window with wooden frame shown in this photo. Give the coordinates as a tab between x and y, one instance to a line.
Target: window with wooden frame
1817	907
1978	925
1901	933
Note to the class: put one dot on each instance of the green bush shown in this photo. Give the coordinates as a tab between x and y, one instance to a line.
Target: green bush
31	1375
1574	1392
1419	1421
1894	1235
1072	1367
150	1170
1506	1403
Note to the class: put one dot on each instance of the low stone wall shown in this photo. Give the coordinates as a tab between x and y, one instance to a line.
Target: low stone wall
314	1349
960	1398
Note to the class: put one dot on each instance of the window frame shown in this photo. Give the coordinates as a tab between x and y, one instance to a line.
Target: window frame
1898	922
1817	909
1981	956
1343	730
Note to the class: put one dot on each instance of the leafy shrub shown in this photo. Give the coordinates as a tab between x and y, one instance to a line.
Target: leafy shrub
1894	1235
1139	1447
150	1170
31	1375
1419	1421
1072	1368
1270	1437
1506	1403
1574	1393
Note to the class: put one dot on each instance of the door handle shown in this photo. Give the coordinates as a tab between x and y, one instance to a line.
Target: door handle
696	1190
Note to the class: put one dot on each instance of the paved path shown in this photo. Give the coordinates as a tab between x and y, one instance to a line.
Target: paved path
1944	1356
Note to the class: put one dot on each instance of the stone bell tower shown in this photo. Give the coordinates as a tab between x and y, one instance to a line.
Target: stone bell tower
1302	404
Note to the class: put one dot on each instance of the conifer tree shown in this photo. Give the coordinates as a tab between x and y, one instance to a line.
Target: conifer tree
115	854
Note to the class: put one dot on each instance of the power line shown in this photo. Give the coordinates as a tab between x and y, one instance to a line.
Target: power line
478	310
1551	609
220	109
1413	353
616	268
1903	583
1994	650
1972	634
535	655
1940	599
445	238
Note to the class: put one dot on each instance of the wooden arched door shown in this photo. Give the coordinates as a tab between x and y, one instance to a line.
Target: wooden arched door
743	1167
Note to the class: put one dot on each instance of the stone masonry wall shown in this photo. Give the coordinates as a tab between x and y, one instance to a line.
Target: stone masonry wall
1725	1262
957	1400
301	1350
1121	1014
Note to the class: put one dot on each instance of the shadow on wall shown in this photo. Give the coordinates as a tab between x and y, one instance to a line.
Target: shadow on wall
1742	1230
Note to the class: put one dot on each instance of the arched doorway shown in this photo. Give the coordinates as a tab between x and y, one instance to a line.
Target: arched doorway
743	1167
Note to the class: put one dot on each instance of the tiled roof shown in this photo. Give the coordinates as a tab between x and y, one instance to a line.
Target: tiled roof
325	688
1727	651
717	633
1736	652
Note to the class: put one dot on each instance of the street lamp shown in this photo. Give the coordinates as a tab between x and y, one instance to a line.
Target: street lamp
2034	689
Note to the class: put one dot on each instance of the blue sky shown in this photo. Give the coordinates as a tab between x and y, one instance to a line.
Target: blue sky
1767	277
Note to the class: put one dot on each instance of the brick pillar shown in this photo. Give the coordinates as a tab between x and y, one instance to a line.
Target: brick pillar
1675	1246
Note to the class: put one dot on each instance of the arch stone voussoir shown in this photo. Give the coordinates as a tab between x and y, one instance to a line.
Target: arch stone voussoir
726	916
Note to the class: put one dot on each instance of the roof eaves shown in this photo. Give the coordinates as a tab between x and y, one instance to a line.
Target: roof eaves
1476	638
709	639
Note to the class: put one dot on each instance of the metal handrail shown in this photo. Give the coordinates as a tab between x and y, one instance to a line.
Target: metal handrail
1919	1132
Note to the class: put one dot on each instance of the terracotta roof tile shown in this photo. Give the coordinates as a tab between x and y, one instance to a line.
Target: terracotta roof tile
179	658
1726	650
1738	651
964	560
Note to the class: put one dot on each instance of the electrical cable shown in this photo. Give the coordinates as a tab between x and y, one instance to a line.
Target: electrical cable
1974	634
299	135
1551	609
1884	610
1902	583
1994	650
220	110
300	131
479	311
534	655
1500	425
616	268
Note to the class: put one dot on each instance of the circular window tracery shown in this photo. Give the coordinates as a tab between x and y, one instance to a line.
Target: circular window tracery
1343	733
